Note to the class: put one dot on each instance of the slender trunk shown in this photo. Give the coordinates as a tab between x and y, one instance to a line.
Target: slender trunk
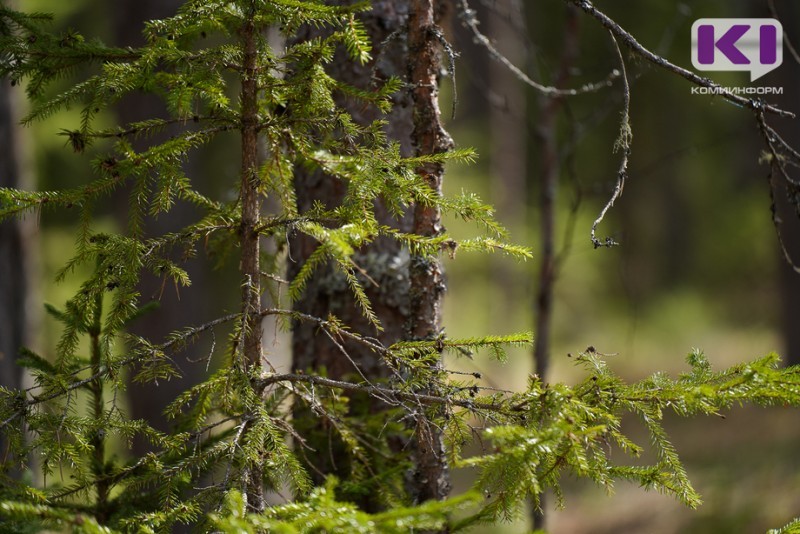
508	150
550	168
12	272
251	214
98	440
431	479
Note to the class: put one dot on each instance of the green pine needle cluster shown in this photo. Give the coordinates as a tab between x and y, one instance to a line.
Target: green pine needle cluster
71	423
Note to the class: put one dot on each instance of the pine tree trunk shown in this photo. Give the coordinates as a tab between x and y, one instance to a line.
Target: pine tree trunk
431	479
12	271
249	238
407	295
550	171
385	262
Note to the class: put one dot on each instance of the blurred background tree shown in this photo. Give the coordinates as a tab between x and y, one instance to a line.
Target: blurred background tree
189	305
699	263
18	248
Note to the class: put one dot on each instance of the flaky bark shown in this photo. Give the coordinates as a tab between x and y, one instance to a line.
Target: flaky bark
406	298
430	480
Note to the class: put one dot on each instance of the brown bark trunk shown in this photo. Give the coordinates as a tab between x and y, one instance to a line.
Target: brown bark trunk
430	479
13	276
508	149
384	260
249	238
547	139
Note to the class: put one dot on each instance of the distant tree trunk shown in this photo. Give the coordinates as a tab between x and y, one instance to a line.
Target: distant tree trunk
13	278
550	171
509	142
384	260
17	246
176	310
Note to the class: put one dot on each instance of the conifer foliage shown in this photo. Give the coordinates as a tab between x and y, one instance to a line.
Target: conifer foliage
234	438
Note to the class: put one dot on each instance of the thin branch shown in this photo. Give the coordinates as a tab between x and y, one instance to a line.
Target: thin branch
636	47
777	160
623	144
106	371
114	478
469	19
451	66
381	392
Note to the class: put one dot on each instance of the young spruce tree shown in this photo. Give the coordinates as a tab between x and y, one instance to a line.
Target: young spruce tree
240	433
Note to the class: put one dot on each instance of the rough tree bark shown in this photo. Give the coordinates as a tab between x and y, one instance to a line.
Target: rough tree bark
431	479
406	298
384	260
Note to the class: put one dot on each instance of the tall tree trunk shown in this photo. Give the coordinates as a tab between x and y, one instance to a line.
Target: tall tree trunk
13	278
384	260
17	250
415	123
249	238
547	140
431	479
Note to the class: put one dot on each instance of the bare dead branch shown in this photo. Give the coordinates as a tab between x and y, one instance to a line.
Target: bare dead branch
777	161
469	20
631	42
623	144
384	392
